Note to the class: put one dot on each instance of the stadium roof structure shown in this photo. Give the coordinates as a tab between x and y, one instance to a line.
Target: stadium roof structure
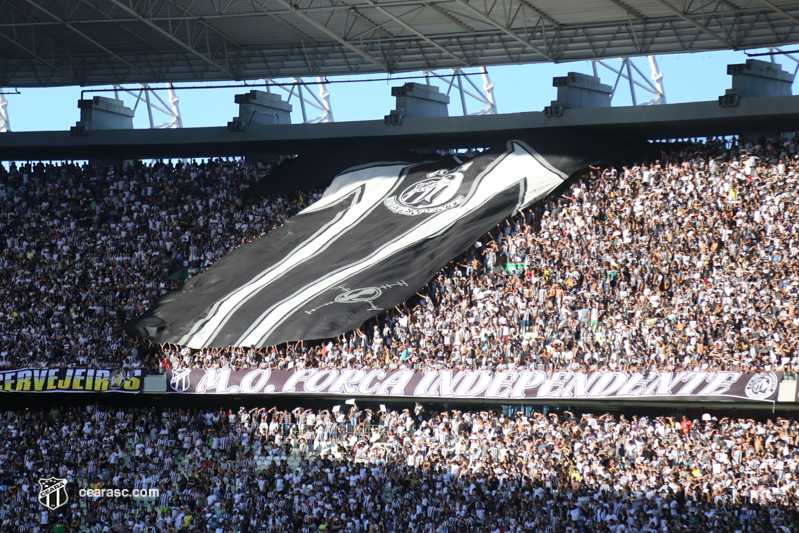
105	42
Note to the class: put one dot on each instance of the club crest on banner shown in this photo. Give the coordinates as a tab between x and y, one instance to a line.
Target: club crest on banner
181	380
431	195
762	386
53	492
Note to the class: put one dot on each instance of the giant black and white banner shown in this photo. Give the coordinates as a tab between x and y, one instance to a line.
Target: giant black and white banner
479	384
71	380
380	232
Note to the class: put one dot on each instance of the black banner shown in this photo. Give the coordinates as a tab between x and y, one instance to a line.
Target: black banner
481	384
71	380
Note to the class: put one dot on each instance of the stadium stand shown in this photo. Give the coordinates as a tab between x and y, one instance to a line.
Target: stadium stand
689	262
686	262
398	471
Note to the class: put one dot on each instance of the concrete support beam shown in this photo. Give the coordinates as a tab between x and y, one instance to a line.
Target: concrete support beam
756	79
578	91
259	108
695	119
416	100
102	113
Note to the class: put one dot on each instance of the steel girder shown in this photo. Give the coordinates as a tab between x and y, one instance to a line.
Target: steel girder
113	42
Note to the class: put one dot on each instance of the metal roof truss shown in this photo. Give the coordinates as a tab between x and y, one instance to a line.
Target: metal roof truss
114	42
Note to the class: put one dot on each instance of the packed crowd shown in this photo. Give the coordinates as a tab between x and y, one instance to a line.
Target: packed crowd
689	262
354	470
84	249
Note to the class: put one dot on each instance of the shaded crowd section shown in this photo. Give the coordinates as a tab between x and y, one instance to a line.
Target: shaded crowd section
355	470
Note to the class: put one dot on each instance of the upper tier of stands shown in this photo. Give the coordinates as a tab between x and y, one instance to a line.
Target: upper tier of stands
687	262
